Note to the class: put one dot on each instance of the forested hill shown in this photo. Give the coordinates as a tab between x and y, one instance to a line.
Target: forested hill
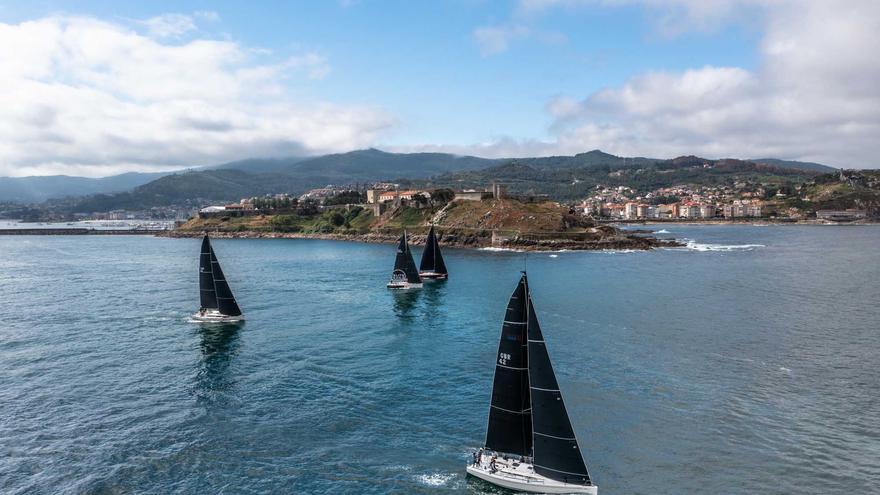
561	177
566	178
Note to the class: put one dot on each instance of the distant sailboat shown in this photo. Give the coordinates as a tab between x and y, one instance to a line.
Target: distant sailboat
405	274
217	302
530	445
432	265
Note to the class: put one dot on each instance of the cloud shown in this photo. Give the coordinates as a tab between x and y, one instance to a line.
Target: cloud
814	95
496	39
170	25
493	40
84	96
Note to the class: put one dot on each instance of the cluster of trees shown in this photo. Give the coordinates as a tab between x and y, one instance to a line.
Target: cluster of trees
273	203
347	198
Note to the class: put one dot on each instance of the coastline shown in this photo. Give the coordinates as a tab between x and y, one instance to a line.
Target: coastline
618	242
757	222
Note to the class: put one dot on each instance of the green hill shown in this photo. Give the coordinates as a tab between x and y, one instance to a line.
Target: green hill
569	178
195	188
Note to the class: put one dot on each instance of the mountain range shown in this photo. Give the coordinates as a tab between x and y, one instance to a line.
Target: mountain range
296	174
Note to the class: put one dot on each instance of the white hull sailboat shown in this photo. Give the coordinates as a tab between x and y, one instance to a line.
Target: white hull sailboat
217	303
521	476
530	444
214	316
405	274
432	265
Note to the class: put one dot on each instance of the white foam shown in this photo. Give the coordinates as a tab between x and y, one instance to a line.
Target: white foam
501	250
662	231
554	255
698	246
436	479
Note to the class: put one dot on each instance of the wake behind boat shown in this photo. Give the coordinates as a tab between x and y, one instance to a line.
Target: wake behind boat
530	444
432	265
217	302
405	274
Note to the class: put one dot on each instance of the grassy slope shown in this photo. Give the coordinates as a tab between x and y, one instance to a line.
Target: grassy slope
504	215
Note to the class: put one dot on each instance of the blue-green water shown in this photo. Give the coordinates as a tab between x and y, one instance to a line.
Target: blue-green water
706	370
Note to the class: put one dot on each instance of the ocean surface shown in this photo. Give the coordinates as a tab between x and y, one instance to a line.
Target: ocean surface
748	362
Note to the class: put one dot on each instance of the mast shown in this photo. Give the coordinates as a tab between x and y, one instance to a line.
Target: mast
432	258
404	262
556	452
207	291
510	413
224	301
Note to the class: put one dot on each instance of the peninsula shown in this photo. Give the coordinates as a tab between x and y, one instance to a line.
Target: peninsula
505	223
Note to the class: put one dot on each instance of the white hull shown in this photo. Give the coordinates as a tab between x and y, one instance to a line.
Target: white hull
521	476
403	285
215	317
433	276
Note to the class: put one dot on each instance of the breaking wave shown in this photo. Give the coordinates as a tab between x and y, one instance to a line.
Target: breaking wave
662	231
698	246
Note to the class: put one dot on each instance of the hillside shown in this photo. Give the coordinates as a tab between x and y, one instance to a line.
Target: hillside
571	178
303	173
194	188
858	189
500	223
40	188
818	167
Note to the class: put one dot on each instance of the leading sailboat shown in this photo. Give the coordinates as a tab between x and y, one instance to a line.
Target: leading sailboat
432	265
405	274
217	302
530	444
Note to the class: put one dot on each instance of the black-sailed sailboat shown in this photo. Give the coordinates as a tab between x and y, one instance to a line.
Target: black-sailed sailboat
432	265
530	444
216	299
405	274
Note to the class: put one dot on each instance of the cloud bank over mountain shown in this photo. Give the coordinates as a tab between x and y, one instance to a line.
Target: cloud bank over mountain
85	96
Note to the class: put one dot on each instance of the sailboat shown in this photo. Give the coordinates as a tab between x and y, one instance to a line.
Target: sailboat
432	265
530	444
405	274
217	302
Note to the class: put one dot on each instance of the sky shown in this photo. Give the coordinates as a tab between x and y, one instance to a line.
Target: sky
96	88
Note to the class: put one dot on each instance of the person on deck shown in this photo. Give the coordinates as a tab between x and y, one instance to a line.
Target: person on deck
492	466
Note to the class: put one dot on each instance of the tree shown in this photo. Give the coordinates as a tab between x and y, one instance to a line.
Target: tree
443	195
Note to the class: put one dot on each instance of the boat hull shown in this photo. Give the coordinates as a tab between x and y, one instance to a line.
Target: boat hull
433	276
403	285
523	478
215	317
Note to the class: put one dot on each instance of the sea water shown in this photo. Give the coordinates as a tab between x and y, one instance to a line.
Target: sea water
746	362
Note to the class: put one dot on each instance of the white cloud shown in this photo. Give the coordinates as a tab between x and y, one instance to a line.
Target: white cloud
170	25
815	95
496	39
80	95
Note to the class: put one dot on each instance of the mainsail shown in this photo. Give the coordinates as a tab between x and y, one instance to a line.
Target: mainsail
556	452
510	413
207	292
432	258
213	288
404	263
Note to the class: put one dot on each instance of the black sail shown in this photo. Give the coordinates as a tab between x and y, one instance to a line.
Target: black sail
432	258
510	421
226	304
556	451
207	291
404	263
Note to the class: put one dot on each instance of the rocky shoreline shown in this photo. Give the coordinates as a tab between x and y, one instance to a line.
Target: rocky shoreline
457	240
